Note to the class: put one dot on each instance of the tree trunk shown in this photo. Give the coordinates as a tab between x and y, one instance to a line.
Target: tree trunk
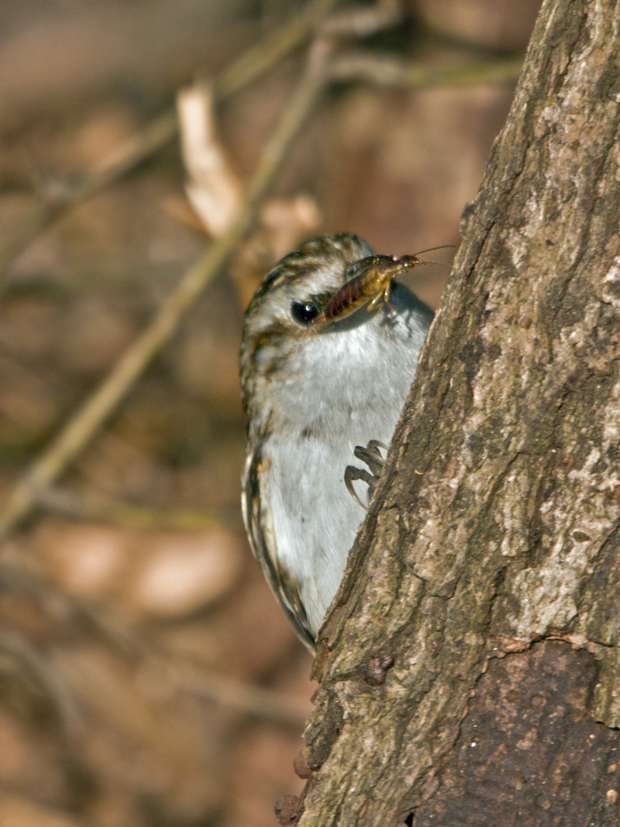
469	672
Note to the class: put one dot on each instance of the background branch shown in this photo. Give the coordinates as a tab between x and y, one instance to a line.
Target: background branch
85	423
370	67
79	506
251	65
364	67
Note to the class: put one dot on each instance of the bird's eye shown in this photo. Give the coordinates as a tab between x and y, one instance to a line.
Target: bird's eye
305	312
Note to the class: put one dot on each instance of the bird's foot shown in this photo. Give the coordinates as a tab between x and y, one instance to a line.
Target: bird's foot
371	456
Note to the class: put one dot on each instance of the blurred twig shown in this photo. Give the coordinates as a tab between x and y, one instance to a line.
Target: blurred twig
89	418
178	673
66	196
63	608
85	507
15	648
370	67
254	62
251	700
364	21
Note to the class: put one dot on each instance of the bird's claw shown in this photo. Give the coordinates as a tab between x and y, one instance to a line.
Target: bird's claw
371	456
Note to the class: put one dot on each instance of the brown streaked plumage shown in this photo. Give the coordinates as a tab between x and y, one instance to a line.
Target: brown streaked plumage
260	532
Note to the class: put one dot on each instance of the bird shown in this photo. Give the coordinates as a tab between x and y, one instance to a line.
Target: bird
320	390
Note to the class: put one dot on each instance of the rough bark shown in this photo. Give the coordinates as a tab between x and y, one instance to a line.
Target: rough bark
469	672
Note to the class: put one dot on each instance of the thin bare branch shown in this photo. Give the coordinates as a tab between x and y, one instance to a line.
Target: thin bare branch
363	21
382	70
64	608
179	673
80	429
254	62
254	701
80	506
14	648
368	67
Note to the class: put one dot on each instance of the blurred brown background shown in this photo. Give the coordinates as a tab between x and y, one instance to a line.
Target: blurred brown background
147	676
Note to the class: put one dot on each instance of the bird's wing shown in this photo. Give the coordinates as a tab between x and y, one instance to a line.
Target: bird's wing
259	527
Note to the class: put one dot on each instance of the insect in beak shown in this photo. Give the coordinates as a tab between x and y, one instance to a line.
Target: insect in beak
369	282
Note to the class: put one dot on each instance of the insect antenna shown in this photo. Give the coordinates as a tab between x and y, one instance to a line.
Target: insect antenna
441	247
430	250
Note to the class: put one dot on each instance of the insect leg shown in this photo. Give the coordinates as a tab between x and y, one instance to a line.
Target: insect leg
374	301
385	295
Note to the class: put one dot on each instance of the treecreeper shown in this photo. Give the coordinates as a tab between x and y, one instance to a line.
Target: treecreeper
330	348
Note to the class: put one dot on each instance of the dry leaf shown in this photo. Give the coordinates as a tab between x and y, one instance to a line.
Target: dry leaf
213	187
